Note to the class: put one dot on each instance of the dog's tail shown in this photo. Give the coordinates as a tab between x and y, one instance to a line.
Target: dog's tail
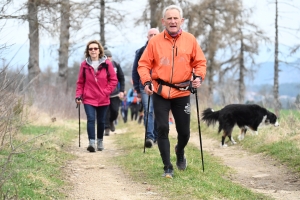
209	116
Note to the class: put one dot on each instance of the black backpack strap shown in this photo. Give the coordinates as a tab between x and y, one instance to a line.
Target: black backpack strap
105	65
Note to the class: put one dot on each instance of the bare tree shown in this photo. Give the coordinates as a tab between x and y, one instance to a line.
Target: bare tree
106	14
276	65
102	22
246	36
216	19
36	20
63	51
33	64
152	14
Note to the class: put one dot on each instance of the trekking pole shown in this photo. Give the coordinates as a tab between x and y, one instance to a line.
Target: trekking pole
78	106
146	122
199	129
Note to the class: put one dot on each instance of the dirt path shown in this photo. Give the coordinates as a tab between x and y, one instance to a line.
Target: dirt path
93	177
254	171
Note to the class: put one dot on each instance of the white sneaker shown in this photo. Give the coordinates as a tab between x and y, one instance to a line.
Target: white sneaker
100	144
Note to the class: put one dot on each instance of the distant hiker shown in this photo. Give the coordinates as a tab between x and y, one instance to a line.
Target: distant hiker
133	101
96	80
124	107
113	109
171	57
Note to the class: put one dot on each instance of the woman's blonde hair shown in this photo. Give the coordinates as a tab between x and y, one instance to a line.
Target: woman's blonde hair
101	50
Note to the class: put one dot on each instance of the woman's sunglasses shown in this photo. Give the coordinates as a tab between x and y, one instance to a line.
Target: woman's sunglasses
95	49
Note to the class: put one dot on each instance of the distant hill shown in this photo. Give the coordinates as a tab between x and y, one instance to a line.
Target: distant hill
289	79
285	89
265	74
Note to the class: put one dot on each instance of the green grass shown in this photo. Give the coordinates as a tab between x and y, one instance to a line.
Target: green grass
37	130
192	183
34	168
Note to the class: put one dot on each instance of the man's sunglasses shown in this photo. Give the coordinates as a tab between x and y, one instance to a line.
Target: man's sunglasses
95	49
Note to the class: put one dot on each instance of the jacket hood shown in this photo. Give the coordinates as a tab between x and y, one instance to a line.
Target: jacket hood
101	60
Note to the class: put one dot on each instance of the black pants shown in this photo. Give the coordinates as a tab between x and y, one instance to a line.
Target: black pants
112	111
180	108
134	111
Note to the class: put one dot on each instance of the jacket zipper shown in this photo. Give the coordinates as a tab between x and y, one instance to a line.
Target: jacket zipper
174	53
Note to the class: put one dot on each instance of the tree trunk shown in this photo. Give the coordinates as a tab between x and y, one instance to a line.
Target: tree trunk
33	63
276	64
153	13
102	24
212	46
241	93
64	44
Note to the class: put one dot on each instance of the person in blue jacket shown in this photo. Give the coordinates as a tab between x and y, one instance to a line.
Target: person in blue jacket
151	134
134	101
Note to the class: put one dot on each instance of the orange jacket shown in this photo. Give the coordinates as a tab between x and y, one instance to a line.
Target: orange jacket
172	60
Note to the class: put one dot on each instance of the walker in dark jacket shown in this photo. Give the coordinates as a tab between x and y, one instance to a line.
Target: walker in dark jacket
113	110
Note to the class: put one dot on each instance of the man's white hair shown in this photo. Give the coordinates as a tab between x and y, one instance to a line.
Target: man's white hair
172	7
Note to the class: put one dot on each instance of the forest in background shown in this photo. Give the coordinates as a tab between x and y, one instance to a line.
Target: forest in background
230	40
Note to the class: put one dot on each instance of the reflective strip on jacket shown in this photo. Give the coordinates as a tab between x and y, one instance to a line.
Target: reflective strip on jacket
95	87
172	60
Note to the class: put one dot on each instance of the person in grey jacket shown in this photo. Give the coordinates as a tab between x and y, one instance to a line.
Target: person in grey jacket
115	96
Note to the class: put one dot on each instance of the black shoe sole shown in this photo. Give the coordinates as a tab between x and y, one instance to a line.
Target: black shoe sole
91	149
148	144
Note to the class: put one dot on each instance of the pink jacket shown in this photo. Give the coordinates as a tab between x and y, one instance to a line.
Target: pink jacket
95	88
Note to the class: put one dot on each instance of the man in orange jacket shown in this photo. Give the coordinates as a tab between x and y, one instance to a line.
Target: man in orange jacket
173	56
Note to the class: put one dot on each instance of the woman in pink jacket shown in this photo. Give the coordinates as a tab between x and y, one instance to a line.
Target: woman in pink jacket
96	80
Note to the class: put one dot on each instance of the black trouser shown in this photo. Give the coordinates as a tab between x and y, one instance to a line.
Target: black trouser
112	111
180	108
134	111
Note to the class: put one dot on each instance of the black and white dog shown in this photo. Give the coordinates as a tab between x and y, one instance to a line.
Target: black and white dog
243	115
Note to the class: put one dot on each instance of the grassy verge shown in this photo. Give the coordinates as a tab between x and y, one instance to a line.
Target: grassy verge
189	184
39	151
31	165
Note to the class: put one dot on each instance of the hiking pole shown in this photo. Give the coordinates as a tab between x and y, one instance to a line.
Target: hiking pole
146	122
78	106
199	129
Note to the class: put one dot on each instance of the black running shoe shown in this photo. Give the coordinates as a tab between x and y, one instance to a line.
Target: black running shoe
149	143
91	148
181	161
